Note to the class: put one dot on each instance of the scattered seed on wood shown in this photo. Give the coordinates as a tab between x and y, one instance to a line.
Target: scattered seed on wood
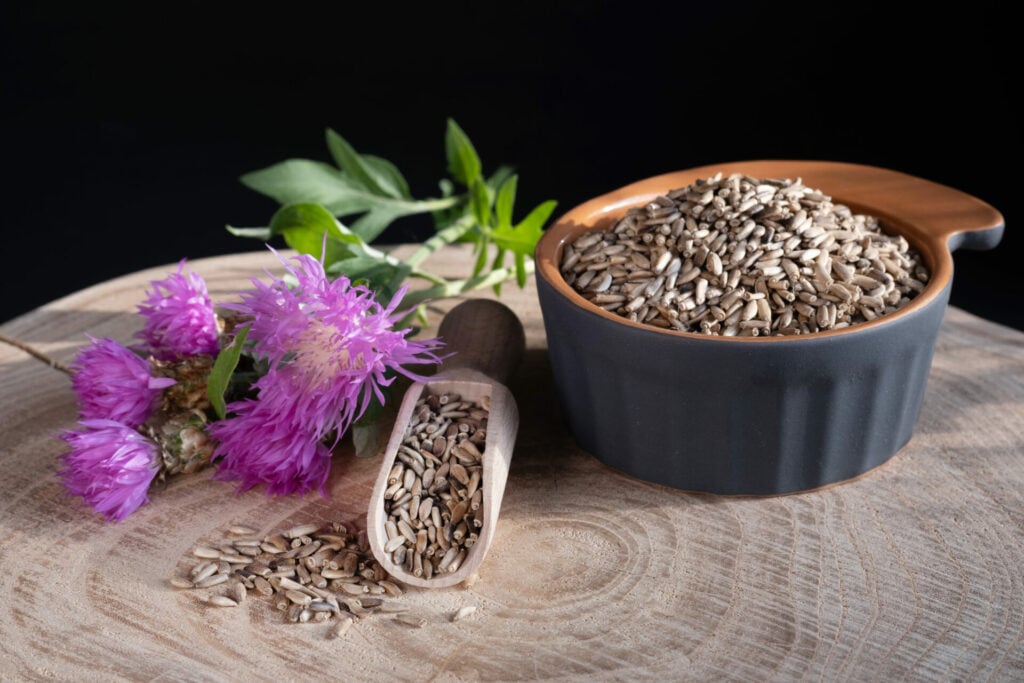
203	570
221	601
308	571
393	608
411	620
463	612
341	627
211	581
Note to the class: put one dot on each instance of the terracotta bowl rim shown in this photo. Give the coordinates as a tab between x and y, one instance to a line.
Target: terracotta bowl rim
607	208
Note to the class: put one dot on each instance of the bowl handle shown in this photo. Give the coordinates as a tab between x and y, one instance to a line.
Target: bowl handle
939	211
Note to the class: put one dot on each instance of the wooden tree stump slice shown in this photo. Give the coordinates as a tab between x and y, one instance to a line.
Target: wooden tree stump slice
910	572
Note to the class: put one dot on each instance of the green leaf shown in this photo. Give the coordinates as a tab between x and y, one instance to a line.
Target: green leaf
374	273
252	233
480	200
369	432
463	161
535	220
368	439
499	259
304	225
388	176
522	238
498	262
506	199
223	368
355	165
481	257
499	177
521	270
301	181
354	267
371	224
312	217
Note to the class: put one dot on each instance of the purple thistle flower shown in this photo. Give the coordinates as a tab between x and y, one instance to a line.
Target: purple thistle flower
180	320
256	447
329	347
110	466
113	383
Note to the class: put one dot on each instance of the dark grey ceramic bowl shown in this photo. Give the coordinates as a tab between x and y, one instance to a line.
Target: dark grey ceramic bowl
761	415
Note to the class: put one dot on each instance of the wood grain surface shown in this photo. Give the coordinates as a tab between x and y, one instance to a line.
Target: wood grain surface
912	572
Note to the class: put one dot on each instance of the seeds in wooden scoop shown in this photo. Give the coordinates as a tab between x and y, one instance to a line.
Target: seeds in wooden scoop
741	256
432	505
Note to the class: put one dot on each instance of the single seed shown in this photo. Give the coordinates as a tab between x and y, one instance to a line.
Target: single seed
222	601
341	627
448	558
232	558
457	562
390	588
301	530
320	606
262	586
211	581
411	620
203	570
463	612
298	598
394	544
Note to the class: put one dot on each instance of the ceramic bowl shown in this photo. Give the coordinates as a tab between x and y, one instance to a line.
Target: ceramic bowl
756	415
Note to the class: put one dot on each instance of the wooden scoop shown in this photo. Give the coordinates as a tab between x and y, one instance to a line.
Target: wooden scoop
487	340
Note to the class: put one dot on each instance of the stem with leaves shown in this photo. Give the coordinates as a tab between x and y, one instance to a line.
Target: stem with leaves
338	210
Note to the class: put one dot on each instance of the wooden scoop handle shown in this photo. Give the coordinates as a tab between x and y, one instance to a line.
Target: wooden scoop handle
483	335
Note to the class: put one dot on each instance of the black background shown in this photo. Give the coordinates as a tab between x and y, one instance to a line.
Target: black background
124	131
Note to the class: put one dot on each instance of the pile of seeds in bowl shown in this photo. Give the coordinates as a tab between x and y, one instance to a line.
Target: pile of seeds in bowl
741	256
433	500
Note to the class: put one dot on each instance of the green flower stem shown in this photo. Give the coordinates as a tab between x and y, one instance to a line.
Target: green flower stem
440	204
455	287
424	275
440	239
